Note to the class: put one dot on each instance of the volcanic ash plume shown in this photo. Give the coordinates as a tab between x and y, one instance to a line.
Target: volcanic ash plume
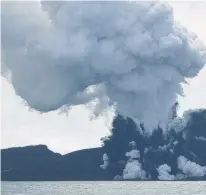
179	155
133	56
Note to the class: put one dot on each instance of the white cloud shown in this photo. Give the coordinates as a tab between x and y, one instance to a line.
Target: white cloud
164	172
189	168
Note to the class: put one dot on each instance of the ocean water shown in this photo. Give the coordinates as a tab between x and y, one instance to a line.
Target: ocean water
103	188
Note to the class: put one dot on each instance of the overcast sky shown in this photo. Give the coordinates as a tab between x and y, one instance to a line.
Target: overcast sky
65	133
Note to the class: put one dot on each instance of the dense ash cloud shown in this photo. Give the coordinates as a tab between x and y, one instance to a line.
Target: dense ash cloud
132	56
179	155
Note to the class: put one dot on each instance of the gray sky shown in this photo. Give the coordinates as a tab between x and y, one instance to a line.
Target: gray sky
65	133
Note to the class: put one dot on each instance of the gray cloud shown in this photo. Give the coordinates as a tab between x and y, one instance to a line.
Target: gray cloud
133	53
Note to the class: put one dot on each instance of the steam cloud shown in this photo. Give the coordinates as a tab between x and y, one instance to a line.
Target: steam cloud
190	168
133	168
132	56
164	172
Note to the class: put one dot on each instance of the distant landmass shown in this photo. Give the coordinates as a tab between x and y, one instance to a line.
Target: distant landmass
38	163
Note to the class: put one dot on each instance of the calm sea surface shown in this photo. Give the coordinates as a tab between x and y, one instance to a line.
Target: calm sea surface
103	188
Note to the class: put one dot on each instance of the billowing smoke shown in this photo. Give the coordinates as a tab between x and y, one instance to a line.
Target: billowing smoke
133	168
106	161
179	155
131	55
164	172
190	168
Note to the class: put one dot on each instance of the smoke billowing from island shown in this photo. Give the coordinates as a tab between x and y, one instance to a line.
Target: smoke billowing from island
130	56
179	155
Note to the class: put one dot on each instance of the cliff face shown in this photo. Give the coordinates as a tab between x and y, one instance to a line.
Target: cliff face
38	163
